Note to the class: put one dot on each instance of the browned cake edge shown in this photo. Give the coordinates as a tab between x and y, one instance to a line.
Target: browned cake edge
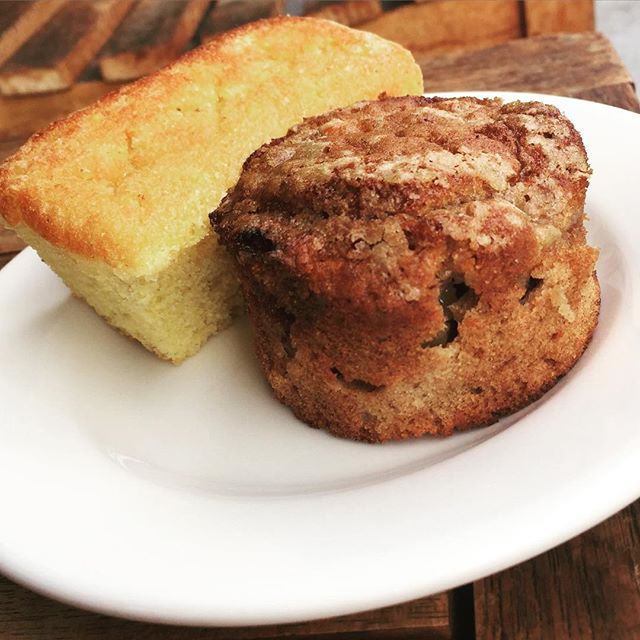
366	360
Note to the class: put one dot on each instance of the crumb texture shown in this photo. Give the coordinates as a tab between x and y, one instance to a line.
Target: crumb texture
172	312
415	265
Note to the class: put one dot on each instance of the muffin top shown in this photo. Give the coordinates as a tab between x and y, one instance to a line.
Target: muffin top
377	204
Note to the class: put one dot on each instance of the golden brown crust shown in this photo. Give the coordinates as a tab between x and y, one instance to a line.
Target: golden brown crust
130	179
415	265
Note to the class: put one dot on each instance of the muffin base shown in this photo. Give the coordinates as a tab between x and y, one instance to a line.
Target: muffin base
504	357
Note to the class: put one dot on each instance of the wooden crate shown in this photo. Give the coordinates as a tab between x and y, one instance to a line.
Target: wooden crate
51	45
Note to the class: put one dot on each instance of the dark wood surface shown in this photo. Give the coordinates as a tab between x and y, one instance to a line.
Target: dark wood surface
150	36
582	65
19	20
26	615
58	52
226	16
586	589
153	30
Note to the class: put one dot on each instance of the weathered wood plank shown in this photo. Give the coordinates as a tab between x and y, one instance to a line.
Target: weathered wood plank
229	15
151	36
53	58
19	20
618	95
12	10
23	614
558	16
562	64
437	27
588	588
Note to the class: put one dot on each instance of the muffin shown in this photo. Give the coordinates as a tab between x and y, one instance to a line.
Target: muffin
415	266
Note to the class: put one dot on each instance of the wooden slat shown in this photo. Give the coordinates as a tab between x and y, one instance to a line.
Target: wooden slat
21	116
350	13
440	26
20	20
229	15
584	65
618	95
23	614
563	64
151	36
588	589
558	16
56	54
12	11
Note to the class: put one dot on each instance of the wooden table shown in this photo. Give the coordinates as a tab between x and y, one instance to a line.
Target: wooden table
586	589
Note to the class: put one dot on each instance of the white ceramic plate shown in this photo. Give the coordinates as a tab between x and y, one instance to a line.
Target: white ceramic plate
188	495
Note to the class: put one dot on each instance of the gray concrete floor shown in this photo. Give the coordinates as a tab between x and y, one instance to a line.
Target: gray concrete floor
619	20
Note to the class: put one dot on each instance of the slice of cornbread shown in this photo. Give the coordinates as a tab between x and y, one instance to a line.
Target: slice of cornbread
115	197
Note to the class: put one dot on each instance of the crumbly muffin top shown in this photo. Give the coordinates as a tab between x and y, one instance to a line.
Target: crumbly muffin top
378	202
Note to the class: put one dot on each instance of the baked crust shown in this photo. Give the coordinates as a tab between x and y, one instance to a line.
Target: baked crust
415	265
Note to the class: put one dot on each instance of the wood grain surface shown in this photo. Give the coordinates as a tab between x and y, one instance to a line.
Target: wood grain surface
26	615
563	64
19	20
54	57
436	27
151	35
621	95
558	16
586	589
